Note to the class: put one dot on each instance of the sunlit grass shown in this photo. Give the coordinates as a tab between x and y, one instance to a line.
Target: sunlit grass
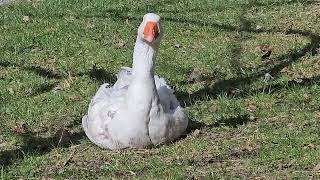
53	61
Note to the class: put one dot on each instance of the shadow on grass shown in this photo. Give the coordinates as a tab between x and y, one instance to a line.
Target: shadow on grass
216	86
232	122
272	69
100	75
95	73
41	71
246	26
36	145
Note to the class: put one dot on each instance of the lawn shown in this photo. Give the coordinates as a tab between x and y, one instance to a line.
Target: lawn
247	71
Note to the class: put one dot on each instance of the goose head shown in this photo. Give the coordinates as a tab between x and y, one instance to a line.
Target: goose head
150	29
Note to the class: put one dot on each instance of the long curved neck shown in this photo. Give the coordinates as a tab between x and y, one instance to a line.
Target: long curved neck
144	56
142	90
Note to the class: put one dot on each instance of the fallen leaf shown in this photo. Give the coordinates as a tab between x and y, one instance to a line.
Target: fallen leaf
258	27
57	88
52	72
257	49
310	146
89	25
177	45
287	71
196	133
298	80
306	62
198	45
25	18
235	91
66	84
51	61
264	50
252	119
132	173
251	107
19	130
247	147
213	109
11	91
306	96
74	98
3	75
316	168
268	104
287	165
195	75
120	44
268	76
2	145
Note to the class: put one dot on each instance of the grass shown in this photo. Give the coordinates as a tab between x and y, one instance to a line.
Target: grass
258	118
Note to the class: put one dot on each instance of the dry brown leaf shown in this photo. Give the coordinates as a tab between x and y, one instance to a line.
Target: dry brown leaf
310	146
264	50
213	109
195	75
252	119
287	71
2	145
198	45
89	25
51	61
306	62
120	44
52	72
74	98
3	75
258	27
247	147
65	85
196	133
25	18
316	168
19	130
11	91
257	49
306	96
268	104
251	107
287	165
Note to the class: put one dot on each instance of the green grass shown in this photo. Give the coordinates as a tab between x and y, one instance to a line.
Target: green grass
78	39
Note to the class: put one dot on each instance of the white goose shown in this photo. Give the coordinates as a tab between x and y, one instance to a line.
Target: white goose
140	109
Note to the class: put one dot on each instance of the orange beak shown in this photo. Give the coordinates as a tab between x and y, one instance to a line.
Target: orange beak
151	31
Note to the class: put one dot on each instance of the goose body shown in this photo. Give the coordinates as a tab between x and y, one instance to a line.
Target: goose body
140	109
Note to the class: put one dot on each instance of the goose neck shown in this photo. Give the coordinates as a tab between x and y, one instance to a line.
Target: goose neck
144	57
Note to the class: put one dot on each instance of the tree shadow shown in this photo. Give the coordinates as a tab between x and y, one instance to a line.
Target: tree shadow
218	86
37	145
41	71
246	26
43	88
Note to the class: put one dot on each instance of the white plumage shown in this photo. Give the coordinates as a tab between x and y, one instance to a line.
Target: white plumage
140	109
